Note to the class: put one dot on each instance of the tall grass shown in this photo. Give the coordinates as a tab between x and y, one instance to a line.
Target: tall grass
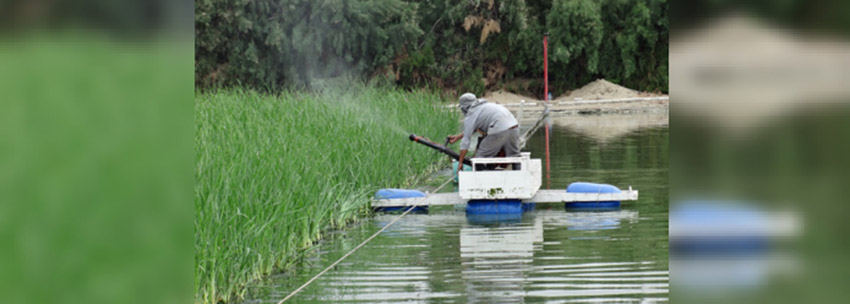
273	172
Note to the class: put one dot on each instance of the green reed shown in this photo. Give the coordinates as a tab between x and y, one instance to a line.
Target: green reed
272	172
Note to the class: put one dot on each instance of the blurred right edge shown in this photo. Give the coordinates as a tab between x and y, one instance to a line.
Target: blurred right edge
760	140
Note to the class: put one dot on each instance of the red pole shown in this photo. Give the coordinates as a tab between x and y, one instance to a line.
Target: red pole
546	98
545	69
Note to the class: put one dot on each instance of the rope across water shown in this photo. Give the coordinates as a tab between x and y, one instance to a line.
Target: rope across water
299	289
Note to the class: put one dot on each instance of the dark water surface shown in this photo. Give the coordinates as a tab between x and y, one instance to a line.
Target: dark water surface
552	255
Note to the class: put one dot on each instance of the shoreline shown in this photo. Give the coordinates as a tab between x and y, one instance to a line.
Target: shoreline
592	107
602	120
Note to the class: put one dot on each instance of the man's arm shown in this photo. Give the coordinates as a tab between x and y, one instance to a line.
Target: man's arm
460	161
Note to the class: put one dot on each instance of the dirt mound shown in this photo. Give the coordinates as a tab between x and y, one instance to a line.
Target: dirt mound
598	89
601	89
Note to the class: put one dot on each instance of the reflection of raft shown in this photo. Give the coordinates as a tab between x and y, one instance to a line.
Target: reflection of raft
512	189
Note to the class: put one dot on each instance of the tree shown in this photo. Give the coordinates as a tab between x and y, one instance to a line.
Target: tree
454	45
270	43
576	32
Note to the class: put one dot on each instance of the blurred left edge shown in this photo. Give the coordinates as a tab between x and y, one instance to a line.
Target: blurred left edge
95	151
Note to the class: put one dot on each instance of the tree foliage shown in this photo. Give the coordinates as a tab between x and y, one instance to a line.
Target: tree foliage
269	43
623	41
469	45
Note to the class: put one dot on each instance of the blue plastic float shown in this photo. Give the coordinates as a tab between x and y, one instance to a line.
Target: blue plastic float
583	187
400	193
752	228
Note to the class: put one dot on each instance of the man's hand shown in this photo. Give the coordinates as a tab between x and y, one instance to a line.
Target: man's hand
455	138
460	161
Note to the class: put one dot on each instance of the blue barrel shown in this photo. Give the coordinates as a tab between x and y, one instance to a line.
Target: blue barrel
494	207
487	212
583	187
399	193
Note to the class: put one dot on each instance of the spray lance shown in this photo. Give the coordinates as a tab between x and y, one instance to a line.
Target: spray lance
444	149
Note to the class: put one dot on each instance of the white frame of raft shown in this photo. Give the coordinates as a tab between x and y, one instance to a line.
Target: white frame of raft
501	184
523	184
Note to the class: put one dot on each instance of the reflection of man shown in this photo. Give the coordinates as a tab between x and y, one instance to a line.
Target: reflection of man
493	121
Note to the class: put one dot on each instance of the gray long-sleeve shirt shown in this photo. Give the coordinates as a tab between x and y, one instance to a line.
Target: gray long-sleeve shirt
488	117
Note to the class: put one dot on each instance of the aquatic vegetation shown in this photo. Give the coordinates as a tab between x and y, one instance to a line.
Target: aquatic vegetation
272	172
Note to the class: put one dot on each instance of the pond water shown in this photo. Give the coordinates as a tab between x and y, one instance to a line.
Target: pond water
551	255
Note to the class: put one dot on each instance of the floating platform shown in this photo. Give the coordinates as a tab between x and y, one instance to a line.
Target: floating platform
540	197
506	185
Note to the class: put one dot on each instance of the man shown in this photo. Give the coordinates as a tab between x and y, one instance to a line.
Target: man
493	121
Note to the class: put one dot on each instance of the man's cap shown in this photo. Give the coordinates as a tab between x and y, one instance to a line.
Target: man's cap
466	100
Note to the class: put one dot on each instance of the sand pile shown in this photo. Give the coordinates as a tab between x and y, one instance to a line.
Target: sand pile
601	89
598	89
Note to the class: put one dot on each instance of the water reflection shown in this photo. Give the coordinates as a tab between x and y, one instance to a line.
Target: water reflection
498	262
490	254
609	128
599	220
547	255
